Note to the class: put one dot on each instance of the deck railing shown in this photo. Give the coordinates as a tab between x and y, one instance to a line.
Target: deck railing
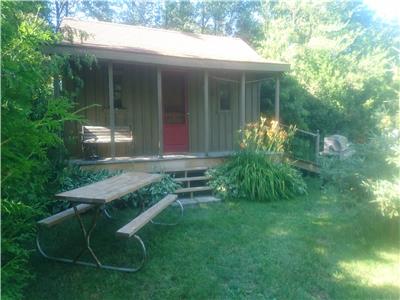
305	145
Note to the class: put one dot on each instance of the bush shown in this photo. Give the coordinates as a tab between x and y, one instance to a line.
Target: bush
32	120
74	177
18	227
386	195
370	162
370	176
346	175
153	193
254	176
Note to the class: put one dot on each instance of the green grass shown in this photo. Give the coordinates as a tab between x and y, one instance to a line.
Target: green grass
319	246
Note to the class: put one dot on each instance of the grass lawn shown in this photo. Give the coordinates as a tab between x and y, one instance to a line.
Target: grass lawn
315	247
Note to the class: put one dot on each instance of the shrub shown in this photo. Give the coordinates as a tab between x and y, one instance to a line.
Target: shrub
344	174
386	195
254	176
18	220
74	177
150	194
370	162
32	119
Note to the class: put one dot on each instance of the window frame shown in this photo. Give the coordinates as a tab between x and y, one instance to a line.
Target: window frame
118	80
224	87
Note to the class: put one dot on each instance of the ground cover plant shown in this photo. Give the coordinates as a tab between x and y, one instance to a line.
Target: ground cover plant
259	171
370	175
314	247
254	176
74	176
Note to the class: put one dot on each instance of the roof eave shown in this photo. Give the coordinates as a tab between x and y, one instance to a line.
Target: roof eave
157	59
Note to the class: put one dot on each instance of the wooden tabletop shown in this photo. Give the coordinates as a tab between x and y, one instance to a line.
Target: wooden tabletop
111	188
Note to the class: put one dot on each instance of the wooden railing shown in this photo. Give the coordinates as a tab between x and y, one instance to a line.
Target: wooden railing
305	145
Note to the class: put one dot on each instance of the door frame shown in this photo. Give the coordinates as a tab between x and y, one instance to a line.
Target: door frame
184	75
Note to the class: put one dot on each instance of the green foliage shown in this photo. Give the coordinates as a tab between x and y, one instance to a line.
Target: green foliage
17	226
346	174
74	177
149	195
254	176
239	18
266	136
32	120
370	175
369	162
344	65
386	195
255	173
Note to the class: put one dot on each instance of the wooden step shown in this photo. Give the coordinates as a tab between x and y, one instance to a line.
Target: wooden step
186	179
193	189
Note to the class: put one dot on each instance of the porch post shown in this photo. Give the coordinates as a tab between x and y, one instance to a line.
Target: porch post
242	101
160	114
277	86
206	115
111	104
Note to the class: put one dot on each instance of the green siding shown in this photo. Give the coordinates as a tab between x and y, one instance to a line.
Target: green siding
139	110
224	125
196	112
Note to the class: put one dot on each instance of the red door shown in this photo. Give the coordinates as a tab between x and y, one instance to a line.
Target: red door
175	123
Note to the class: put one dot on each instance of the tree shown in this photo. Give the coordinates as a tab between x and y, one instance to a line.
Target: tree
341	55
31	119
138	12
54	11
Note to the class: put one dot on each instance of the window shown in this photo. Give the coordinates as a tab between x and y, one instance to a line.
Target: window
117	90
224	94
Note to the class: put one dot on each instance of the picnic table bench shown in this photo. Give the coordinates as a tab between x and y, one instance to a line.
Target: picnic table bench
94	197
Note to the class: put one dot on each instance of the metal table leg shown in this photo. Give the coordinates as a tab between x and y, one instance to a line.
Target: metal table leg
87	247
87	234
176	222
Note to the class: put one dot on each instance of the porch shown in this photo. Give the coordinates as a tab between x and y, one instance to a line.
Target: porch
169	110
186	93
155	163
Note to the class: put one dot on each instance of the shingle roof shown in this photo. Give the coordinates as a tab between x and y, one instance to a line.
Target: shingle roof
160	42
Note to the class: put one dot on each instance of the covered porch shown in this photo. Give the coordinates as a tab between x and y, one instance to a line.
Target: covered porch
188	104
197	124
156	163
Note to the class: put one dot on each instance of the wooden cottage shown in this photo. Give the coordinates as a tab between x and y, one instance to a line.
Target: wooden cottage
163	95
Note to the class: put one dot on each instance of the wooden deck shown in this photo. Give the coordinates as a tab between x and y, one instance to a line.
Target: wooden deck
165	163
173	162
306	166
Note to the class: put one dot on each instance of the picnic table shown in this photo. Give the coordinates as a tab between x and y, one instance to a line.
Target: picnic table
94	197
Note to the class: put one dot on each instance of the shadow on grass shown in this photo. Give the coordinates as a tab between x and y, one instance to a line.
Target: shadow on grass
314	247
